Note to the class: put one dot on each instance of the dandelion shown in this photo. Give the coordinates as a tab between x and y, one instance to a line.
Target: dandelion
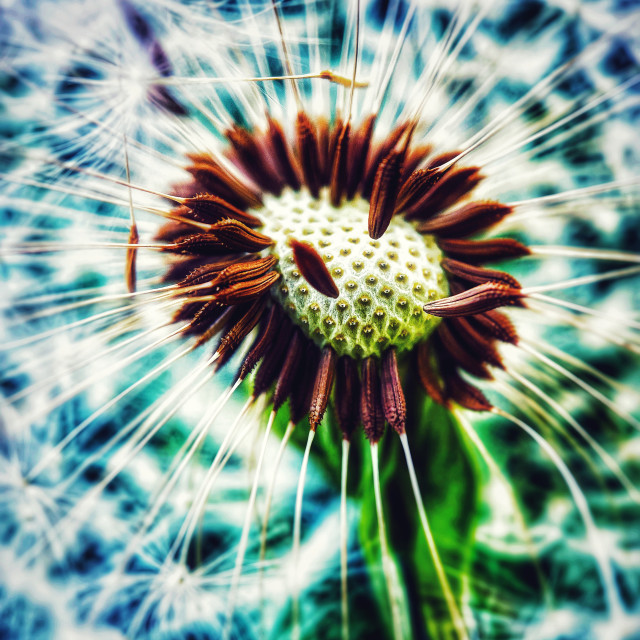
319	319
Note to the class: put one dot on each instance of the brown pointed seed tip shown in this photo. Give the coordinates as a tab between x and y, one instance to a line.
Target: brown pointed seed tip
358	152
250	153
227	236
313	268
484	297
281	154
289	371
236	236
242	271
467	220
442	158
247	290
302	390
322	387
212	208
347	396
378	152
266	335
207	320
428	378
416	155
496	325
465	394
416	186
323	136
478	275
308	152
211	177
205	274
477	343
454	185
242	323
453	350
393	402
384	194
339	171
481	251
371	411
274	356
130	260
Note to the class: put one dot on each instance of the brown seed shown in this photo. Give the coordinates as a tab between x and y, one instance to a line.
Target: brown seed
210	208
236	236
358	152
211	177
377	155
465	394
289	370
415	157
476	343
417	185
334	135
226	236
303	385
481	251
454	185
204	273
198	244
313	268
470	219
385	193
465	358
322	387
427	374
269	326
477	275
393	402
371	411
347	396
495	325
242	271
249	155
180	267
339	171
281	154
239	328
203	315
273	358
484	297
130	270
246	290
442	158
308	153
323	136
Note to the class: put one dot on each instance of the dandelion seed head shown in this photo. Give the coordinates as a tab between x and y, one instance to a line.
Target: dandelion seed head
104	102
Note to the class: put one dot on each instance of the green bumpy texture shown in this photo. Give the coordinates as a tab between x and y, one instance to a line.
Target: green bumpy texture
383	283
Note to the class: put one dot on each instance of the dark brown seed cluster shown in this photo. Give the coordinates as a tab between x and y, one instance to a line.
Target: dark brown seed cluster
222	264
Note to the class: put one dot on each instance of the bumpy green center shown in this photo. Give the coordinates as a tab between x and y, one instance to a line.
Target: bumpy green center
383	284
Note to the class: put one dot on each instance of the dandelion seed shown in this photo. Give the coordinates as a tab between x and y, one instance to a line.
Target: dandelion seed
336	215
